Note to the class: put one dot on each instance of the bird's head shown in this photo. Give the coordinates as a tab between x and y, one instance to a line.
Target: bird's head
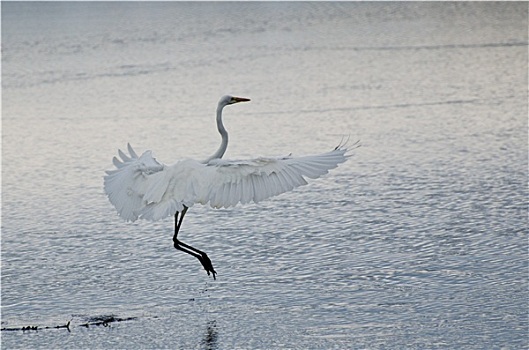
229	100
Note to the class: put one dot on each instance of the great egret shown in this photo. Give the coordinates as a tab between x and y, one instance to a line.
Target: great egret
141	187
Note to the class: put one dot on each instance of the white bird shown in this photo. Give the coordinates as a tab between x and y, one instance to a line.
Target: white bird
141	187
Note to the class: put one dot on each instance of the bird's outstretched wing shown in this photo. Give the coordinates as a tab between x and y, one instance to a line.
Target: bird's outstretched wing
129	185
141	187
232	182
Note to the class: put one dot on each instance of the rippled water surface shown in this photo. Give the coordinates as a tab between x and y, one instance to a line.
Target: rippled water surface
418	241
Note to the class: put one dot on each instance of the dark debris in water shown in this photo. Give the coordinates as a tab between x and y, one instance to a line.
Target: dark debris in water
102	320
36	328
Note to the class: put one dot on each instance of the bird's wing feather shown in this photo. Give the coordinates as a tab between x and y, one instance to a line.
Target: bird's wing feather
141	187
134	182
231	182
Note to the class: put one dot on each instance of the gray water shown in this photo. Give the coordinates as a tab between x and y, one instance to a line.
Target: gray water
418	241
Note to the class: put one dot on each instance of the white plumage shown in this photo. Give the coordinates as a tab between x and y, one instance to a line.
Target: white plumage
141	187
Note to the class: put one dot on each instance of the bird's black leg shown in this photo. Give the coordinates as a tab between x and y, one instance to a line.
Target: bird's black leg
200	255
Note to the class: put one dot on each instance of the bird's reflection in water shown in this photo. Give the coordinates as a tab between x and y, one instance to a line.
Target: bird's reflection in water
209	342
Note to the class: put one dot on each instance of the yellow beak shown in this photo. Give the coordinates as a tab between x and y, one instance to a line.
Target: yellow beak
239	99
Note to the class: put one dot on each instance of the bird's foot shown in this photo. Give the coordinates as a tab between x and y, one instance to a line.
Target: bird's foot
200	255
208	266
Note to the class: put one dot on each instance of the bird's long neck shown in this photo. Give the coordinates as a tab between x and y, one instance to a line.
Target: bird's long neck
223	133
